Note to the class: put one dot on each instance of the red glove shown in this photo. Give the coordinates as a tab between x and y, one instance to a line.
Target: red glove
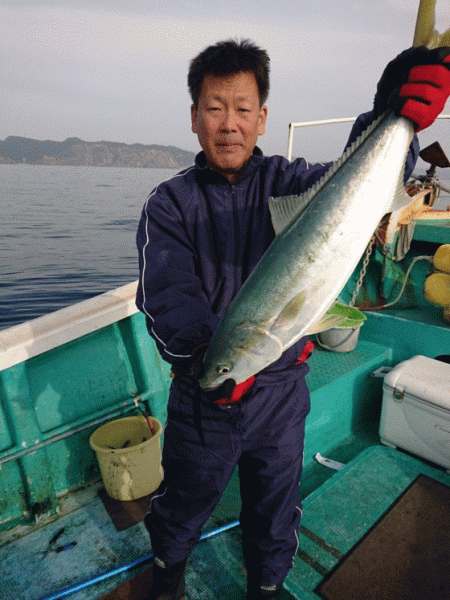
416	85
306	353
425	93
238	392
228	392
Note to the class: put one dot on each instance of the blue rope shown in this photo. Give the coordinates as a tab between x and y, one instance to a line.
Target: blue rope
127	567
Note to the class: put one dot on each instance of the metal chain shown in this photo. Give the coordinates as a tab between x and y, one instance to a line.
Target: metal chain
385	249
362	275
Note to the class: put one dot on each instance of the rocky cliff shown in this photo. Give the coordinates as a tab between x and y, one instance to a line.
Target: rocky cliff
73	151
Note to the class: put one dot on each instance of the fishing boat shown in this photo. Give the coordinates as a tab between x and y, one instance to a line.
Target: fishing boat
379	424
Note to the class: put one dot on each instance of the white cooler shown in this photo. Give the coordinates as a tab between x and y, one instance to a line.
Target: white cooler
415	414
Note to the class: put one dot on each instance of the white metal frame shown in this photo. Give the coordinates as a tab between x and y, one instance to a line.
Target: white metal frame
293	126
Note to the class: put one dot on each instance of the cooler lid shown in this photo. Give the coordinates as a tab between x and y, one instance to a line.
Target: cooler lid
422	377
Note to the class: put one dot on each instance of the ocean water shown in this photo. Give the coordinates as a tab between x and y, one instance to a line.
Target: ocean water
67	234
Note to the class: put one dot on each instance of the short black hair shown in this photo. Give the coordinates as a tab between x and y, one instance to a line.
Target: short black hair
227	58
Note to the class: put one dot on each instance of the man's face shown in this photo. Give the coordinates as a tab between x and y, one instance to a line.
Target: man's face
228	121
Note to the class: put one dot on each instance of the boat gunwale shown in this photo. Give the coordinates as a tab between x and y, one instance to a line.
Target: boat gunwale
33	337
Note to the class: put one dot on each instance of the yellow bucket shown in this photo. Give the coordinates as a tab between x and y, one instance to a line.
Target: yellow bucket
129	457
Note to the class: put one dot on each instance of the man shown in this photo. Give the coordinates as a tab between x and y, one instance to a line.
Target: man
200	236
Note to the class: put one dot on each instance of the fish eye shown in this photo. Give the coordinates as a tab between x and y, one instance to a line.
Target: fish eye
223	369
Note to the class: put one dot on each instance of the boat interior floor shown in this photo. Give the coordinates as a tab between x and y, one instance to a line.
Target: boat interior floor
344	505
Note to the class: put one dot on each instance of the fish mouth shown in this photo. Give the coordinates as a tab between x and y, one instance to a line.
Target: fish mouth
207	387
218	389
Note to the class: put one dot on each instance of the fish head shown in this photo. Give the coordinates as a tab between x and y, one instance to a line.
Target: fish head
245	351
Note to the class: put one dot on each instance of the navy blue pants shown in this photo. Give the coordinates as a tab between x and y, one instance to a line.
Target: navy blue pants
264	437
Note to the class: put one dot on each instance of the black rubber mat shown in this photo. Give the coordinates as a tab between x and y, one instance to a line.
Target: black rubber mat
404	556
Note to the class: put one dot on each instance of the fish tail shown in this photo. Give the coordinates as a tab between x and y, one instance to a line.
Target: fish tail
425	33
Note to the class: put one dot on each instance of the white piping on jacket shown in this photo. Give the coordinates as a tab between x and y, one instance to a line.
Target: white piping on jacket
145	267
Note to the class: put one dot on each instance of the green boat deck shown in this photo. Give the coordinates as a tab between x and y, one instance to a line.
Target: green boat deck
338	429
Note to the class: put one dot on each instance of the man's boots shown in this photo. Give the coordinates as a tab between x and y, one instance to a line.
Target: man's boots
167	584
258	593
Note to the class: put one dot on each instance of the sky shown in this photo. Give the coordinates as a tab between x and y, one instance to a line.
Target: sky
116	71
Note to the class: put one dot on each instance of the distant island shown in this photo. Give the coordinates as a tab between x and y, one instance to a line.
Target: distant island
76	152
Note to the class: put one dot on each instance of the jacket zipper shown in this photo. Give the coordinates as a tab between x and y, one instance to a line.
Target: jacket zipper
237	241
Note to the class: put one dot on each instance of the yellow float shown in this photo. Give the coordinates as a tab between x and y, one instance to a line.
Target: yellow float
441	259
437	285
437	289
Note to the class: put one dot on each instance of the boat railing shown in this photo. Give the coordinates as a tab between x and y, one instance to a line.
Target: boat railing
24	341
293	126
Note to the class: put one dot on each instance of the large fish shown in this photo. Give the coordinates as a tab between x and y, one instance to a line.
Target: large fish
320	237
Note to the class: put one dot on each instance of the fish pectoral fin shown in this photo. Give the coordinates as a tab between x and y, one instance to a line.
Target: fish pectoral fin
290	313
324	323
338	316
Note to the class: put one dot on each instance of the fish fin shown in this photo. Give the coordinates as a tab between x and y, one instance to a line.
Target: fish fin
289	315
445	38
339	316
353	316
400	198
284	210
425	34
324	323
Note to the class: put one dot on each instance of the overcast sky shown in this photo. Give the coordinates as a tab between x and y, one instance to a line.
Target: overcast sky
110	70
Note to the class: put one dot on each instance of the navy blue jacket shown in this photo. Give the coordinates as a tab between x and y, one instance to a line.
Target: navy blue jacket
199	238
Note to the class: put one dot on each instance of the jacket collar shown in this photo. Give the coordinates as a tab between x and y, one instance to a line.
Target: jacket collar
212	176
